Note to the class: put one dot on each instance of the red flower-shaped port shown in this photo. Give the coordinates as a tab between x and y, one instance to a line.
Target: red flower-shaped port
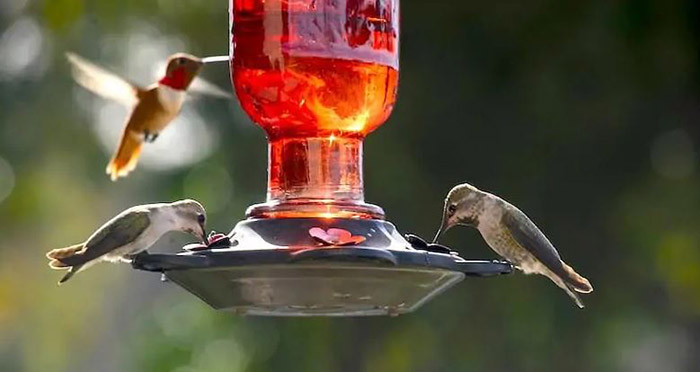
215	240
335	236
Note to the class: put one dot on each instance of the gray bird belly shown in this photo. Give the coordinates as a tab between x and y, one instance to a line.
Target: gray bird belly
503	244
147	239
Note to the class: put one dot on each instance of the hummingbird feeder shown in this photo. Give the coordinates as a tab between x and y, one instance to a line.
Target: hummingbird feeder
318	76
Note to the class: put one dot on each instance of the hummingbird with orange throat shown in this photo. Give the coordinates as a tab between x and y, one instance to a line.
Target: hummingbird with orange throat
153	108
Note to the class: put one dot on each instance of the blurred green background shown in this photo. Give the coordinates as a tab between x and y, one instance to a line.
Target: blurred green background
584	114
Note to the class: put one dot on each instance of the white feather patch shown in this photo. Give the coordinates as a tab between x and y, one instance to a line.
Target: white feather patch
170	98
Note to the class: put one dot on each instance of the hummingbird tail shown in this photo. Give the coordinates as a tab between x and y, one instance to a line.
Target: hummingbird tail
70	273
575	281
66	257
127	155
57	265
565	283
572	293
61	253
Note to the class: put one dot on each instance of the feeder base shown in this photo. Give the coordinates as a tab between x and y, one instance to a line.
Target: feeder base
318	289
275	268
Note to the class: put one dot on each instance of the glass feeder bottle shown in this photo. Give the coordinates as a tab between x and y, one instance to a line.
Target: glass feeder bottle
317	76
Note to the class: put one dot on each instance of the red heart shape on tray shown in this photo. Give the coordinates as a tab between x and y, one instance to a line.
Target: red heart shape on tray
215	238
335	236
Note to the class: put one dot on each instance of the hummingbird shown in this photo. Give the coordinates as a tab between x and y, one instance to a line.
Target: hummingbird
152	107
511	234
129	233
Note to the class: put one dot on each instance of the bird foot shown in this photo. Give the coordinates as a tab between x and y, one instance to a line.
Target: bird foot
134	257
150	137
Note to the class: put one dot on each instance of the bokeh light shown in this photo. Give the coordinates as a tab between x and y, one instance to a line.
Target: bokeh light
22	47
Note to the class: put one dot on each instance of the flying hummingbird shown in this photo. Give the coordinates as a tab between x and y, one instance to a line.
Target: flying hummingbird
511	234
129	233
153	107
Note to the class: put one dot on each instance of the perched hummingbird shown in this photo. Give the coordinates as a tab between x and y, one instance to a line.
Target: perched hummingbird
510	233
129	233
153	107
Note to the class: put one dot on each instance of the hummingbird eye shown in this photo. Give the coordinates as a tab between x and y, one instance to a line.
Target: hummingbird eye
201	218
451	209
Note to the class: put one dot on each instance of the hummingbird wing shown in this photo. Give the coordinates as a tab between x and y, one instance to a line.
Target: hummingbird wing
102	82
529	237
116	233
202	86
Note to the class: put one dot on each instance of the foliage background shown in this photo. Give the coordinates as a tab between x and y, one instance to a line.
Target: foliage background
585	114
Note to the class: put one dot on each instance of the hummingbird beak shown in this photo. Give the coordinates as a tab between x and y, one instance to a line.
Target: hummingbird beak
214	59
444	226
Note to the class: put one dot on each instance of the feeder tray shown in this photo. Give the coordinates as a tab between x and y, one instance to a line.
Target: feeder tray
275	267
